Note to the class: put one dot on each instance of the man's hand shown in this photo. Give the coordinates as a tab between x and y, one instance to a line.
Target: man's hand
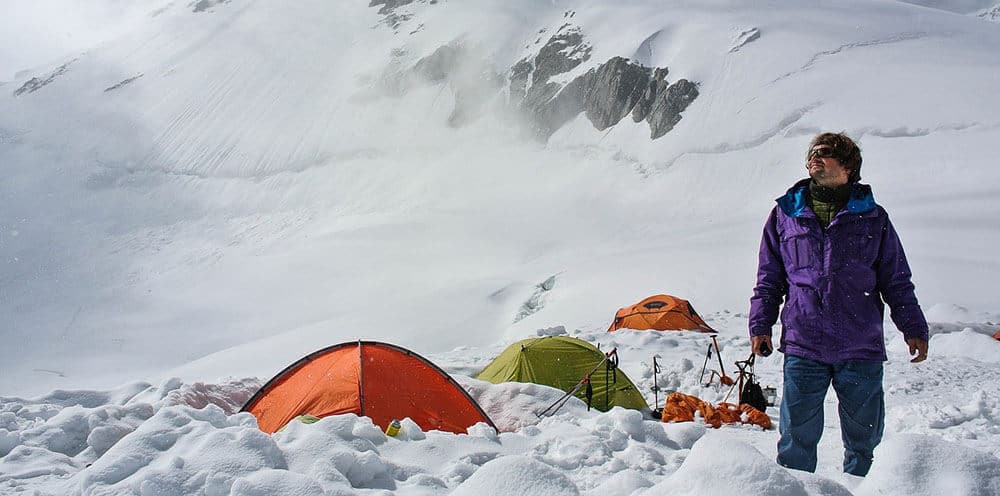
761	345
917	347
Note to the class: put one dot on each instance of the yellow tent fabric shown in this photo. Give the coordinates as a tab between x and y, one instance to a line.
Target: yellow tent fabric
561	362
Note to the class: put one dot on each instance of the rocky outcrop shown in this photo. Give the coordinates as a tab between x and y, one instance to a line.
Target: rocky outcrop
388	5
745	36
543	88
645	105
205	5
990	14
613	91
669	104
34	84
394	17
606	95
122	83
564	51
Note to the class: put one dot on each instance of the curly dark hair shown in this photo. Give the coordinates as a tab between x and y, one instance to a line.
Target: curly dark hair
844	149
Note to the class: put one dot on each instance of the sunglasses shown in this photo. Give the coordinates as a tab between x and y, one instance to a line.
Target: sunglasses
821	152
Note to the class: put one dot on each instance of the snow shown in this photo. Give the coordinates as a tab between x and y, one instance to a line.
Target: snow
179	438
197	194
740	468
513	476
967	343
952	469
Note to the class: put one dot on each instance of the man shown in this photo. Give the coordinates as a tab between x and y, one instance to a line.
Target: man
830	254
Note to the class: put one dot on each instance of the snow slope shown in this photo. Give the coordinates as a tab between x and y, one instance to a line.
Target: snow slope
196	194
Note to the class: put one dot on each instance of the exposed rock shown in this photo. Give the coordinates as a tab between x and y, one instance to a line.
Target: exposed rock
394	19
34	84
564	51
613	90
606	94
645	105
536	301
550	108
519	80
990	14
745	36
669	104
122	83
388	5
550	105
203	5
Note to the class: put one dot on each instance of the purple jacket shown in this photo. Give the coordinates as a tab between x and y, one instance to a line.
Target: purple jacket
833	283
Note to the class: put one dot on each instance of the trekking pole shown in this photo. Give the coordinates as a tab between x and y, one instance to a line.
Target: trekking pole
723	378
742	365
607	385
656	383
704	366
583	382
611	369
563	399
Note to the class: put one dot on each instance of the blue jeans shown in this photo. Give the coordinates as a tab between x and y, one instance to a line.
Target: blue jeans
861	406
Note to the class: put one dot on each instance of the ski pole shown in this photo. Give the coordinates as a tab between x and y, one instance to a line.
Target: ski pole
704	366
583	382
656	384
723	378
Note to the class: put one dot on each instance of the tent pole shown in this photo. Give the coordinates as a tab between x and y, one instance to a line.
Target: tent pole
361	378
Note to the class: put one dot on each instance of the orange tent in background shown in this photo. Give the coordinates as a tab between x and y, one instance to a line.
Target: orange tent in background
661	313
997	335
377	380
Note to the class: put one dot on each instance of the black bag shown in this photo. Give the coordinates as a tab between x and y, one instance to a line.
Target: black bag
753	395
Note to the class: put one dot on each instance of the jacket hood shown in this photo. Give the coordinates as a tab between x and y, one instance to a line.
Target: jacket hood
793	202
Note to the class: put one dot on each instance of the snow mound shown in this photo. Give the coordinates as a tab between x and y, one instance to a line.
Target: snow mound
516	476
340	451
181	450
515	405
720	464
966	343
919	465
950	312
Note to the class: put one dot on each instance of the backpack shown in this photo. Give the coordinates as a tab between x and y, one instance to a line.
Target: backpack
753	395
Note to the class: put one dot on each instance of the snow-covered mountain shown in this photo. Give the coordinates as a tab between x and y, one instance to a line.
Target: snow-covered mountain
213	188
227	172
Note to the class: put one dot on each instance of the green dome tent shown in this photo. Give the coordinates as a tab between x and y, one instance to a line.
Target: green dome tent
561	362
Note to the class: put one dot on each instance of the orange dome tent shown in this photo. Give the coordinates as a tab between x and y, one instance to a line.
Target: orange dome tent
661	313
997	335
377	380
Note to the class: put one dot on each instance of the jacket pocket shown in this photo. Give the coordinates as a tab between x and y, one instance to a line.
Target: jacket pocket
799	250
